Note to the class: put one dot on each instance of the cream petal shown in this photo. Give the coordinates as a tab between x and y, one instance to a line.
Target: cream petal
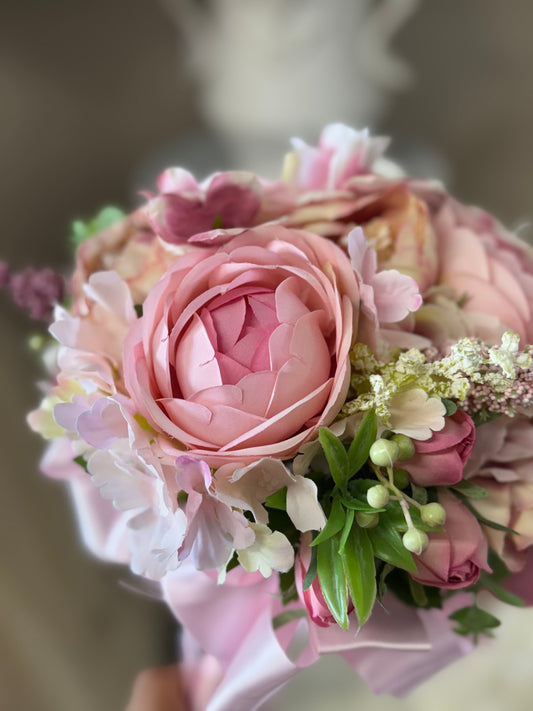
302	505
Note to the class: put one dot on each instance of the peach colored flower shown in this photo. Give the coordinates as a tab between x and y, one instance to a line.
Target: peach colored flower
132	249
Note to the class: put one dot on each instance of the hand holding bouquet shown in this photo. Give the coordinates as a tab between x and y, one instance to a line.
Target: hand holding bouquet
304	408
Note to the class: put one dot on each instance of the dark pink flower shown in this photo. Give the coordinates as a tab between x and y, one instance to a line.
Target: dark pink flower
454	557
185	210
440	461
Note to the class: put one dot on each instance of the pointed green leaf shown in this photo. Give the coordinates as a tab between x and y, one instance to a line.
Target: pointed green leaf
351	502
287	616
451	407
419	494
334	523
471	490
82	231
488	582
361	443
482	519
360	571
333	580
311	571
348	523
278	500
475	621
388	546
335	455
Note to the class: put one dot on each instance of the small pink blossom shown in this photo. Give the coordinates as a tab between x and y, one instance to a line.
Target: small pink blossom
342	153
214	529
387	296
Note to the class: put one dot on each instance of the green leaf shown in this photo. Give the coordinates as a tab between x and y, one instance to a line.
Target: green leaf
418	593
311	571
488	582
334	523
82	231
278	500
351	502
419	494
484	416
332	580
350	515
451	407
482	519
386	568
470	490
335	455
287	587
81	461
287	616
361	443
475	621
360	572
387	545
499	570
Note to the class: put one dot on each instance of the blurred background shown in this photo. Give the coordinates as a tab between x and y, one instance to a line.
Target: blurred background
95	99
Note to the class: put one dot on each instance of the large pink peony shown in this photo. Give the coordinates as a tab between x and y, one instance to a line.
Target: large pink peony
242	351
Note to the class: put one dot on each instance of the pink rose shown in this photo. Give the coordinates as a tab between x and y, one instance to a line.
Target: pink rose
242	351
454	557
312	598
439	461
476	277
502	463
489	268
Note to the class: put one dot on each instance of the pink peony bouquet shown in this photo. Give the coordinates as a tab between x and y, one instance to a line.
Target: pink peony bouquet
302	407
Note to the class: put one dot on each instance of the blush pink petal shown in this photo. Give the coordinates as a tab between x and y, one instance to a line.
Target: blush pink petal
395	295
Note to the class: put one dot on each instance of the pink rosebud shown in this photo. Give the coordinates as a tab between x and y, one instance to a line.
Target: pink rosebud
242	351
454	557
440	461
312	598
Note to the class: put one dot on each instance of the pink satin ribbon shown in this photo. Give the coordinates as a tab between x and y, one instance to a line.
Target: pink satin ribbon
245	661
234	660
